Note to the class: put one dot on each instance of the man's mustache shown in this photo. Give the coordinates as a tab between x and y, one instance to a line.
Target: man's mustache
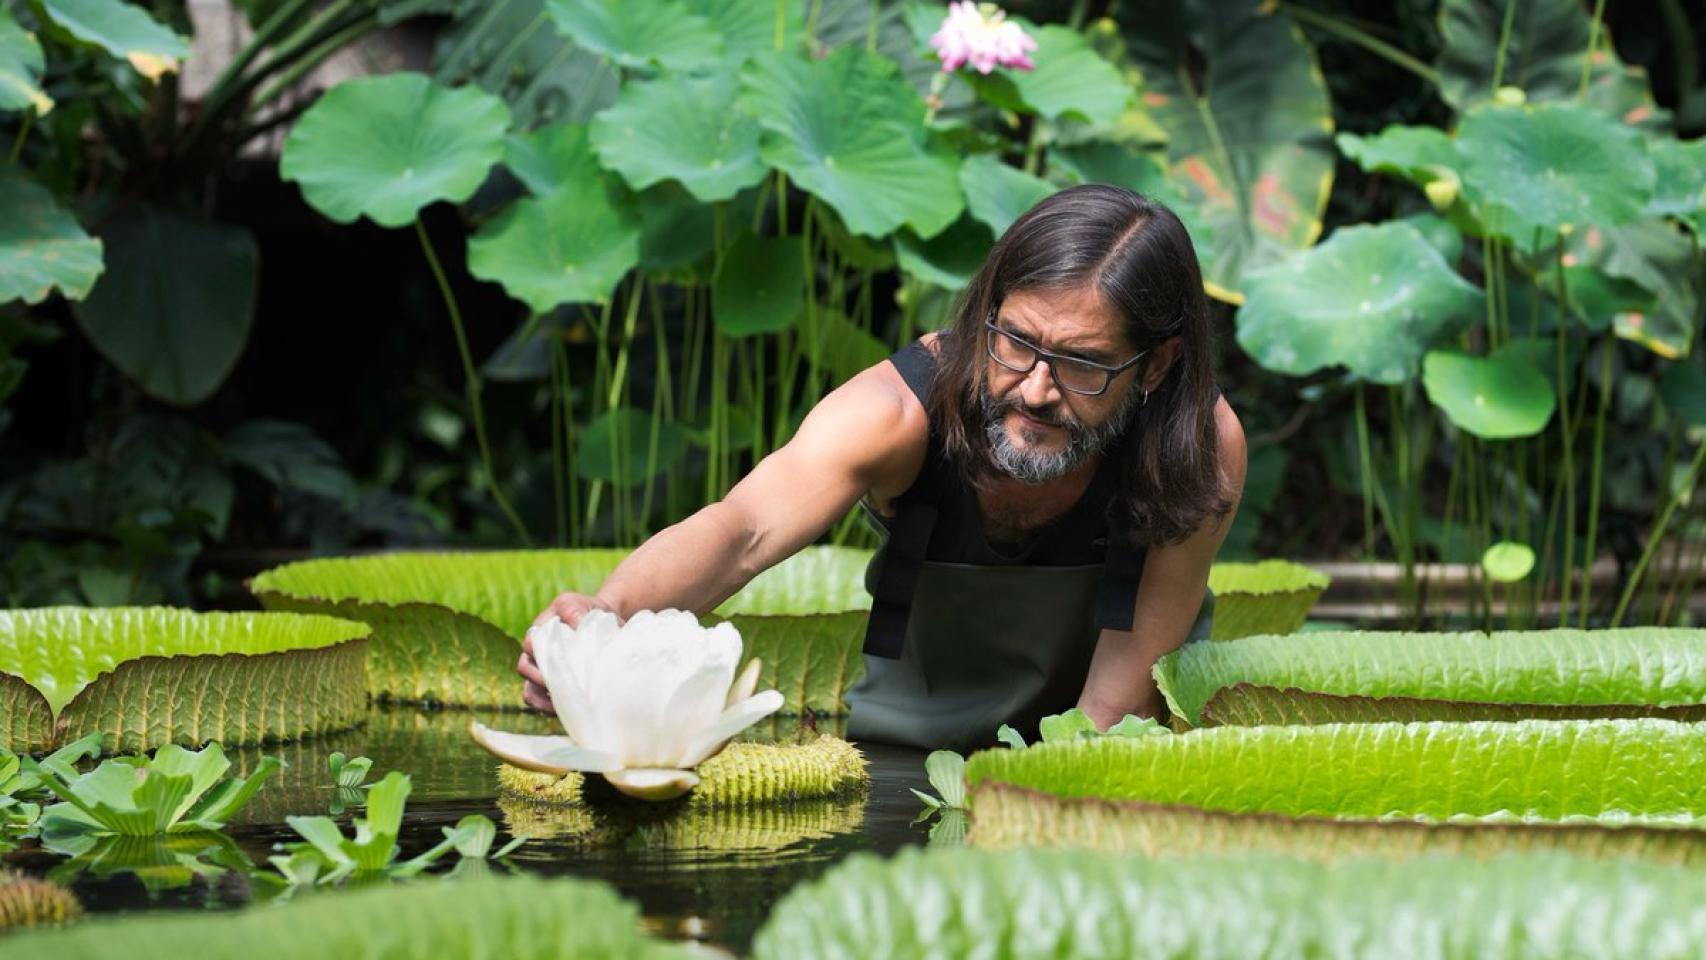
1049	415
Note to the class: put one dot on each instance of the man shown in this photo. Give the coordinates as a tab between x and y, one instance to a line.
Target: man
1054	474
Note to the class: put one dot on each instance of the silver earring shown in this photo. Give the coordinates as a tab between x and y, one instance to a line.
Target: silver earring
1145	402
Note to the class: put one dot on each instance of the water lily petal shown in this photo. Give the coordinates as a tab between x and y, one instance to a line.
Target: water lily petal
695	705
735	719
558	755
564	655
653	783
746	684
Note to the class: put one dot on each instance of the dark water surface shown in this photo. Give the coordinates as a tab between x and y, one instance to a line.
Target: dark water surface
706	876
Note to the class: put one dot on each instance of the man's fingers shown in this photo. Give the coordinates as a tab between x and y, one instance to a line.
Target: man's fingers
535	696
529	669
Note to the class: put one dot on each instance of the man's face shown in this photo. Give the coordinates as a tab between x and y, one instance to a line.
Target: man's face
1037	431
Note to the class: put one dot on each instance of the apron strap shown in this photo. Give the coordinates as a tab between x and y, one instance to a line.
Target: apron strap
903	557
1116	599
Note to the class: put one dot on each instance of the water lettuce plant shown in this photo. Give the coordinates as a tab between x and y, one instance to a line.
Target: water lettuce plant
743	775
348	780
1611	786
175	791
447	626
147	676
520	918
1030	905
1360	676
22	790
1272	596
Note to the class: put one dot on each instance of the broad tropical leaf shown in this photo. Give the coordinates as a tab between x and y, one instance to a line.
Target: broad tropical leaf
639	33
998	194
122	29
21	65
572	245
42	247
1071	81
671	128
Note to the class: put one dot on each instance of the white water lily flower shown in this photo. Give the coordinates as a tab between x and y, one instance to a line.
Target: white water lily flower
981	34
643	702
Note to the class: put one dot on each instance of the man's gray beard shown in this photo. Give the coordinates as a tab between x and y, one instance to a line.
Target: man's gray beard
1034	466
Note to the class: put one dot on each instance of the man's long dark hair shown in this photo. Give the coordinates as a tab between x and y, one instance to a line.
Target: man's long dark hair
1138	256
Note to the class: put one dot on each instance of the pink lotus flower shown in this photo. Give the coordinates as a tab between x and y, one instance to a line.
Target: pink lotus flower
980	34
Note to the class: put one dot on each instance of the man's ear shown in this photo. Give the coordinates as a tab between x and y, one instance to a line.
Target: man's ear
1160	362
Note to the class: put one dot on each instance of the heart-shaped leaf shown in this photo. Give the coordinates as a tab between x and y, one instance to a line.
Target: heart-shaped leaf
999	194
570	246
20	68
42	246
850	130
1238	91
1536	172
384	147
1372	298
761	287
671	128
122	29
1496	397
639	33
624	436
174	307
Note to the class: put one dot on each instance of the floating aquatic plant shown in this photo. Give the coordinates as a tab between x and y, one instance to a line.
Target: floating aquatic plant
22	790
175	791
643	702
742	775
348	776
147	676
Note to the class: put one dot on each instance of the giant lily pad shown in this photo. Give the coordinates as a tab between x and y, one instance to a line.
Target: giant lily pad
1032	904
1273	596
174	307
1332	677
639	33
1496	397
743	774
384	147
1372	298
124	30
1537	172
671	129
20	68
1621	787
447	627
42	247
572	245
1248	145
144	677
998	194
850	130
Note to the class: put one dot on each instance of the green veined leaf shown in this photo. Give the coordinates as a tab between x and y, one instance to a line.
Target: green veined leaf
572	245
762	285
122	29
1249	147
1496	397
639	33
1272	596
1372	298
848	129
143	677
42	247
668	129
1070	725
947	772
1011	737
384	147
169	793
1033	904
1679	184
551	156
1321	677
446	625
20	68
998	194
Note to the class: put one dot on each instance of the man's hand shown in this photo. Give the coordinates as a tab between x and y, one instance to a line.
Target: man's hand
568	607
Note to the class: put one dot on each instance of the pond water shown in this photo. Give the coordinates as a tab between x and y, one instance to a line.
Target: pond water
709	877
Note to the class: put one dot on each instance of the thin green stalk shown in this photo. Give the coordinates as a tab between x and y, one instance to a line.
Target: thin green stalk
1363	39
781	24
18	141
1593	42
1653	539
1594	478
1504	45
568	420
471	384
871	26
1401	528
1567	428
1365	462
558	454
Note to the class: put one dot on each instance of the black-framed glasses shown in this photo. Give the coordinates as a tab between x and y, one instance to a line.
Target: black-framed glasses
1071	374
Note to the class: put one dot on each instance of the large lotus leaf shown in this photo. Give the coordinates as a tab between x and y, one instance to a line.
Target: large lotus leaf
122	29
1071	81
1372	299
447	626
384	147
623	436
42	247
174	307
1341	676
1237	88
639	33
1679	188
572	245
1273	596
997	193
20	68
1544	57
849	129
1042	904
143	677
1495	397
551	156
1410	152
949	259
516	917
680	128
1537	172
1610	773
761	286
